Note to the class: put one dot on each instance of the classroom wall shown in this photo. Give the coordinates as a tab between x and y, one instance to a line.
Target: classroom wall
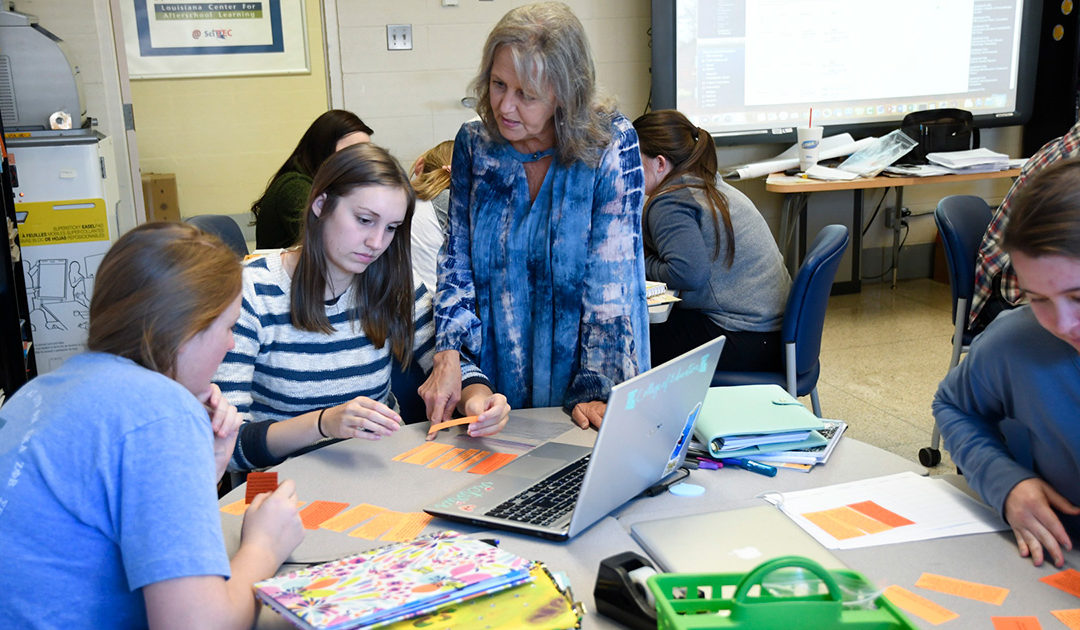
224	137
412	98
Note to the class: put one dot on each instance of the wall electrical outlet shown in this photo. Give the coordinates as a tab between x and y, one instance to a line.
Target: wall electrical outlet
399	36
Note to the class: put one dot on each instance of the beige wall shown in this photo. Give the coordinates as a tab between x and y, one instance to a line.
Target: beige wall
412	98
224	137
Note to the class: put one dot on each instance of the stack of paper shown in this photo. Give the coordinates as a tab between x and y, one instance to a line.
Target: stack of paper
833	431
393	583
654	288
970	161
748	420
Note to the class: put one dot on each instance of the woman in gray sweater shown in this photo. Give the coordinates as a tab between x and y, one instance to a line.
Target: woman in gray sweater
706	239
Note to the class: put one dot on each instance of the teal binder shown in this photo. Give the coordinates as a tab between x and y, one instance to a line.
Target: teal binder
747	420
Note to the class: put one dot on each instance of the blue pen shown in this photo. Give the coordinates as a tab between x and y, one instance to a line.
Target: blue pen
752	466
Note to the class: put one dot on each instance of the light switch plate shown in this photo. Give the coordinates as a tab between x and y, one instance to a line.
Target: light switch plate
399	36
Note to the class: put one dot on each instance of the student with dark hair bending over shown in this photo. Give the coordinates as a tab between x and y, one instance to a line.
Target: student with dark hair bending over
319	323
108	508
707	240
1010	412
279	212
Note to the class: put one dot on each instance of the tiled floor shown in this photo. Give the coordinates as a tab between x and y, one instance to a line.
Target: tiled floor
883	353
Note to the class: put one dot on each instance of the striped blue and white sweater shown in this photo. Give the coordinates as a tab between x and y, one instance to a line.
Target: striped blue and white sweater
277	371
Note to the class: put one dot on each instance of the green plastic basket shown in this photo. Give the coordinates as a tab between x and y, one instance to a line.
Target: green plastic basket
689	601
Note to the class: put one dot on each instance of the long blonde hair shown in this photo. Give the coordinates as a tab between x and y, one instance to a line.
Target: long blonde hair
434	175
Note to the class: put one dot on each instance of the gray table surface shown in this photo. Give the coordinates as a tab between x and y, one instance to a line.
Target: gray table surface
358	471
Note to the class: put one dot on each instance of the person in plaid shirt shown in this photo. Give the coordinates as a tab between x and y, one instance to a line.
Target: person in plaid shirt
995	281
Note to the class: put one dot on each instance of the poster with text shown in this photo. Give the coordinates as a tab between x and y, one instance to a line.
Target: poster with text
201	39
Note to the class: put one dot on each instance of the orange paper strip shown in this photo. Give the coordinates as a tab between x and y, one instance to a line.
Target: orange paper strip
832	522
919	606
1070	617
445	457
438	426
962	588
411	451
236	508
379	525
475	459
258	483
495	462
408	528
351	518
432	450
1016	623
878	513
1067	580
462	456
313	515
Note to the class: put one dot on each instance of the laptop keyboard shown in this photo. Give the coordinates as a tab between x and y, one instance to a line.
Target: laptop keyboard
547	500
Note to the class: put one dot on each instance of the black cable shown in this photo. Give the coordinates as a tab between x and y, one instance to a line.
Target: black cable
903	240
874	216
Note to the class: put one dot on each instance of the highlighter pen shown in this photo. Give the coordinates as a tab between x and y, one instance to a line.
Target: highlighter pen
752	466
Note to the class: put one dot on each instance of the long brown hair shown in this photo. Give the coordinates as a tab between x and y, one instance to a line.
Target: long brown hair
383	296
690	151
433	177
158	286
1045	217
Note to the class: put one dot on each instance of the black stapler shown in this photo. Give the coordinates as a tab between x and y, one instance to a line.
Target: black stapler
618	597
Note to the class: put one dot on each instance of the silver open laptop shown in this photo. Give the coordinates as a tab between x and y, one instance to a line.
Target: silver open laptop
557	490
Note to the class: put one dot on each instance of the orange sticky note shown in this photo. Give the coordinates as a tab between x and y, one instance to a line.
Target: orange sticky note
919	606
408	528
479	455
445	457
351	518
258	483
1067	580
832	522
378	526
318	511
878	513
496	461
236	508
1016	623
462	456
430	451
438	426
962	588
411	451
1070	617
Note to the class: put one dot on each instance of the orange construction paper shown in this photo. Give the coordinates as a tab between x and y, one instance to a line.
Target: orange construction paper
496	461
430	451
438	426
411	451
962	588
880	514
1070	617
1016	623
832	521
258	483
475	459
445	457
313	515
408	528
1067	580
462	456
351	518
919	606
236	508
379	525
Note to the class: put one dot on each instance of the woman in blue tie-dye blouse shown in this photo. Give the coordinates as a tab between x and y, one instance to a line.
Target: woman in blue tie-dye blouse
542	279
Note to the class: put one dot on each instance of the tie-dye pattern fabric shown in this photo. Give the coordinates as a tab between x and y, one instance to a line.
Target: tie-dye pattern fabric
547	297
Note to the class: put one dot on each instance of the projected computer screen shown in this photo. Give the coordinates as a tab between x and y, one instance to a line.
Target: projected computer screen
748	70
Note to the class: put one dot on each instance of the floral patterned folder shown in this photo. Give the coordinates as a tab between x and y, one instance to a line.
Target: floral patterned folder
392	583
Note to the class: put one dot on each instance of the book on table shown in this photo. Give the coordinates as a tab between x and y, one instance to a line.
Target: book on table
746	420
392	583
833	431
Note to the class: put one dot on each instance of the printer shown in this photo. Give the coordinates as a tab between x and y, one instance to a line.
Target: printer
40	88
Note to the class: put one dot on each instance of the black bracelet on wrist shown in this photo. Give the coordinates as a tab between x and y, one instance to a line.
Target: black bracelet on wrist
319	423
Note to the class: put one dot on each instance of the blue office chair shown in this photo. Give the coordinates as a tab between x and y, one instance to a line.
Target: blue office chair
962	221
225	228
404	384
804	317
